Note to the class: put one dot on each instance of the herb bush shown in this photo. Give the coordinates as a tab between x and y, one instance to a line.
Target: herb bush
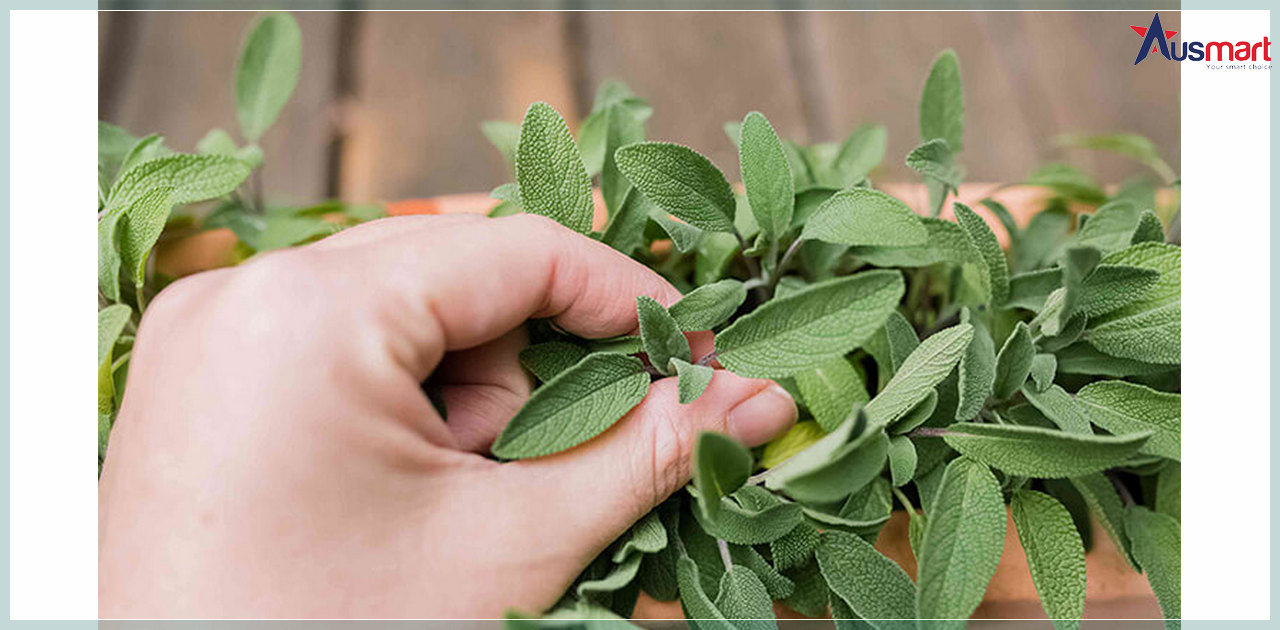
935	372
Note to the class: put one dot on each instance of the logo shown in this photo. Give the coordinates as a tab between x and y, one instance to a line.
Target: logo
1157	40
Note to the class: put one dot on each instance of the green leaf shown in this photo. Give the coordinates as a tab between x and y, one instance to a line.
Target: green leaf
114	144
962	543
902	459
147	148
1111	287
1055	555
1043	368
1169	491
919	374
1013	364
681	181
219	142
546	360
821	322
1130	145
553	181
1082	358
874	586
592	137
648	535
109	254
575	406
192	177
796	439
935	161
1157	547
1077	263
1029	290
861	152
751	516
796	548
942	103
984	241
140	226
720	466
1041	238
1125	408
625	231
977	369
833	467
918	415
1149	229
1068	181
662	338
683	236
1111	227
1041	453
1149	329
692	379
743	596
267	72
270	231
862	216
111	323
709	305
1059	407
715	251
621	575
505	137
766	176
947	243
831	391
1105	504
622	128
694	599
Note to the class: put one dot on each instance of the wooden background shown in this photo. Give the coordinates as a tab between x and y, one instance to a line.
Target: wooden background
389	104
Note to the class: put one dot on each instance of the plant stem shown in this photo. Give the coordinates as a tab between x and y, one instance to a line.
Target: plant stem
653	371
902	498
724	554
753	269
782	265
929	432
709	359
1125	495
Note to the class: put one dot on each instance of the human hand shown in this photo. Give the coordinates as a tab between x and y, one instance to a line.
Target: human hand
275	455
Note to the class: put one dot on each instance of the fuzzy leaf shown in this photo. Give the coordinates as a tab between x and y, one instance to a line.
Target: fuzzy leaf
934	160
766	176
1013	364
946	243
109	254
192	177
681	181
720	466
919	374
1043	369
1110	287
1105	504
1059	407
1082	358
662	338
743	596
1157	547
622	128
546	360
862	216
1055	555
140	226
709	305
874	586
751	516
575	406
683	236
796	548
1169	491
694	599
1149	329
1077	263
902	459
1125	408
831	391
1149	229
984	241
505	137
1111	226
799	437
553	180
821	322
267	72
942	102
1042	453
977	369
625	230
962	543
1029	290
692	379
618	577
834	466
648	535
1068	181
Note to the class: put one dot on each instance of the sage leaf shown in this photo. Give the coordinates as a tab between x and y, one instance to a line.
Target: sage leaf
977	369
1042	453
715	251
622	128
1125	408
988	248
624	344
796	548
1068	181
111	323
1082	358
751	516
625	230
575	406
681	181
917	415
1157	548
766	176
1077	263
946	243
821	322
1111	287
919	374
720	466
621	575
1169	491
1149	329
1030	289
833	467
942	102
863	216
140	226
662	338
683	236
546	360
649	535
1046	230
902	459
861	152
934	160
709	305
874	586
1059	407
891	346
114	143
1105	504
1043	368
505	137
962	543
1055	555
869	508
692	379
694	599
267	72
109	254
192	178
744	597
1013	363
1149	229
553	180
831	391
811	594
1111	227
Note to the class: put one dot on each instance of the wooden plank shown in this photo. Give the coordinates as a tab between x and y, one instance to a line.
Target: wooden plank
1028	77
178	82
425	82
700	70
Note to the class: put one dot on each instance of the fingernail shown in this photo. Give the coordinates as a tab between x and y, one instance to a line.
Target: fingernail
757	419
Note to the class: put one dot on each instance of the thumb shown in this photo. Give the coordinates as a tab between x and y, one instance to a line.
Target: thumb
600	488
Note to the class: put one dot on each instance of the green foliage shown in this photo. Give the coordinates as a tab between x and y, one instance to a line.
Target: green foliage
766	176
267	72
862	216
662	338
1055	555
1157	548
720	466
1039	452
942	103
682	182
962	542
873	586
553	180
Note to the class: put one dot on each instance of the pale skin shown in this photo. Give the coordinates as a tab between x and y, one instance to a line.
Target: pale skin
275	455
